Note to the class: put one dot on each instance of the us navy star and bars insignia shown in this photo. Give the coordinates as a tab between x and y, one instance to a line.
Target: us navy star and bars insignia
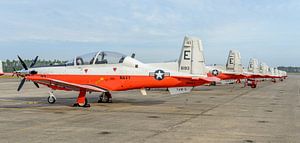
159	74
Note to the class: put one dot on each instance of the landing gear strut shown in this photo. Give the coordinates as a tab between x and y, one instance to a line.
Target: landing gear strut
213	83
105	97
252	83
82	100
51	98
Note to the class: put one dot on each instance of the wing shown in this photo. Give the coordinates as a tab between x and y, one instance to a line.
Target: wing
65	85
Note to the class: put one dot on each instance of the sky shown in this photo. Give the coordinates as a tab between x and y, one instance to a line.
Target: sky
268	30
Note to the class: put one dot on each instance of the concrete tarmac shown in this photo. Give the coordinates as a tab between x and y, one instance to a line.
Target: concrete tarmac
227	113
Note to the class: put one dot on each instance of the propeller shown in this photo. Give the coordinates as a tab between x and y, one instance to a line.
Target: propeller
26	71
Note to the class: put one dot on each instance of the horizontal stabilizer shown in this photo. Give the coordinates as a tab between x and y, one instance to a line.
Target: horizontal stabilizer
212	79
179	90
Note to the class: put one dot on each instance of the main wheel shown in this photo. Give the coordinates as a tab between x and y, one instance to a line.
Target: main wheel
100	98
105	98
51	99
213	83
85	104
253	86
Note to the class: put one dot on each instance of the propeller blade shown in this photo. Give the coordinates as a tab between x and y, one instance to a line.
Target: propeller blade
34	61
23	64
21	84
36	84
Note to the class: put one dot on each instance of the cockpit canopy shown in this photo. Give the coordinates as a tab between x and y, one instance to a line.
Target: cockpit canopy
104	57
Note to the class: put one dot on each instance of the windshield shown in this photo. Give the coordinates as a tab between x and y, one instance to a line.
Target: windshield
109	58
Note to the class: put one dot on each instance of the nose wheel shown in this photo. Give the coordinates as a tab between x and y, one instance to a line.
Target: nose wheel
105	97
51	98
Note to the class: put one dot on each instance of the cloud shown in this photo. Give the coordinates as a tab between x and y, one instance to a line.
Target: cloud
153	25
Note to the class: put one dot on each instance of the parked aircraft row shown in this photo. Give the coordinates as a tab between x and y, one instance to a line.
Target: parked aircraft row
105	71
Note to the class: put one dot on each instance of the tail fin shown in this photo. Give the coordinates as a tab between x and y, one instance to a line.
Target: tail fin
1	67
263	68
191	59
271	71
253	66
234	61
276	73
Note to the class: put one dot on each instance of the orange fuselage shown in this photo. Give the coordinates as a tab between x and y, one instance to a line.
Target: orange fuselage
122	82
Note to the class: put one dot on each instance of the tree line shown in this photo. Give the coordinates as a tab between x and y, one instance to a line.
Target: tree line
290	69
11	65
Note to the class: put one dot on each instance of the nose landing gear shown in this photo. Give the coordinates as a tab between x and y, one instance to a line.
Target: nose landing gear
51	98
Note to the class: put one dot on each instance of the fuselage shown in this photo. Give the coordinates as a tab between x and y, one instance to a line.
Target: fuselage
131	74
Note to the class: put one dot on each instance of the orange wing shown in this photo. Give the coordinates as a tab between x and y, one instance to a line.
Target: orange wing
58	84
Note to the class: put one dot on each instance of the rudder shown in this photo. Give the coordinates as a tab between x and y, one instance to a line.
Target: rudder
234	61
191	59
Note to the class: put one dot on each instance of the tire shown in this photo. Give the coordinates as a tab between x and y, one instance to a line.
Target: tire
100	98
105	98
253	86
83	105
213	83
51	99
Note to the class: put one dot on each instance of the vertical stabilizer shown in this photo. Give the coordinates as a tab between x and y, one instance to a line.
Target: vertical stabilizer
234	62
263	68
253	66
191	59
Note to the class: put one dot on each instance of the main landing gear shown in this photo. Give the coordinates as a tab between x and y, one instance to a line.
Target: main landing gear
82	101
252	83
213	83
105	97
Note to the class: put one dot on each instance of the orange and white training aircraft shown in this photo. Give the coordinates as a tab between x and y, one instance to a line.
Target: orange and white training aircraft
1	69
232	71
262	71
109	71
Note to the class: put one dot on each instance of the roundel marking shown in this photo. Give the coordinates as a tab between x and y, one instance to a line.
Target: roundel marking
215	72
159	74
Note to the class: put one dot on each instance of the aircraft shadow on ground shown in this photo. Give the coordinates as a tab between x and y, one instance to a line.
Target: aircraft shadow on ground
27	102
